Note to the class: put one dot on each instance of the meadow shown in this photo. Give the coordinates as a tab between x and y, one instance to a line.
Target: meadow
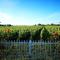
47	32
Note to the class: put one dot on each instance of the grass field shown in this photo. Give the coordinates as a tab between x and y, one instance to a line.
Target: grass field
30	32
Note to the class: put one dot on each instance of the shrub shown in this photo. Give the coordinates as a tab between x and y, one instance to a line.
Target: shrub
45	34
36	34
55	36
8	34
14	35
1	35
25	35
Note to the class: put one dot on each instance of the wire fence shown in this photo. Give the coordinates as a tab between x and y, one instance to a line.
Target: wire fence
29	50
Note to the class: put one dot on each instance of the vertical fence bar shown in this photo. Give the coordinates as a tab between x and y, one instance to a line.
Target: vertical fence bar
30	47
40	44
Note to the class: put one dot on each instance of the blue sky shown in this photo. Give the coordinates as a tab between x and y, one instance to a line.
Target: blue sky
29	12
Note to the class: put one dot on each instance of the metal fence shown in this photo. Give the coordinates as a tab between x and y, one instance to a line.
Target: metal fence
29	50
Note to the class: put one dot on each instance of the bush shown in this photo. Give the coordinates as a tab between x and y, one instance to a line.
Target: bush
14	35
1	35
24	35
8	34
36	34
45	34
55	36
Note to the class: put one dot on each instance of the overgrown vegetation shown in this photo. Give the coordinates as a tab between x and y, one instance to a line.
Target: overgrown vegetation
30	33
13	50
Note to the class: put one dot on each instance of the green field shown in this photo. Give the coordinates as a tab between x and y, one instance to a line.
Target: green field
30	32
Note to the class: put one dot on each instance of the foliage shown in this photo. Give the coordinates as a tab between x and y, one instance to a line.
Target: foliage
8	34
25	35
44	34
36	34
48	32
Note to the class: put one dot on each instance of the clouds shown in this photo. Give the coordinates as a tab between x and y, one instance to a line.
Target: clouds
5	18
51	18
18	20
29	12
25	20
54	18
